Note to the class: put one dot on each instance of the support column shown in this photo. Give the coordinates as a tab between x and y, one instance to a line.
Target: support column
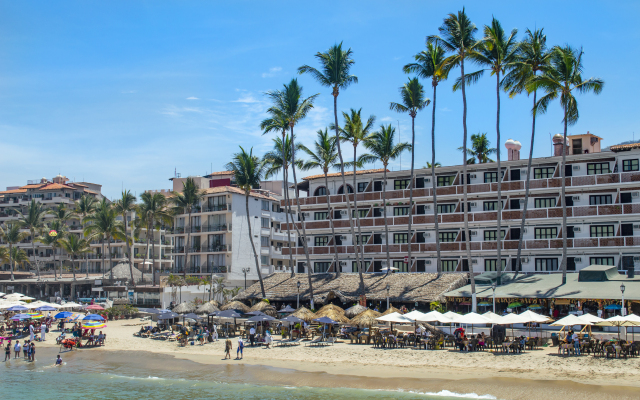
73	291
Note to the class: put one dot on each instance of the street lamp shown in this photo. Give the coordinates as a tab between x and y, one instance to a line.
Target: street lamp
298	303
622	290
493	287
245	270
388	288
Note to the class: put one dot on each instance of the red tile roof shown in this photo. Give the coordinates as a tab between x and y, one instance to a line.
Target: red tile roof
623	147
13	191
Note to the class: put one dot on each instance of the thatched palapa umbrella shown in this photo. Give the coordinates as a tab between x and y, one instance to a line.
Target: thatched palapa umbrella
305	314
265	308
392	309
184	308
355	310
334	315
367	317
329	308
207	308
235	305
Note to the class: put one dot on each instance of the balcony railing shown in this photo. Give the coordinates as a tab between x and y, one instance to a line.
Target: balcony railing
204	269
221	207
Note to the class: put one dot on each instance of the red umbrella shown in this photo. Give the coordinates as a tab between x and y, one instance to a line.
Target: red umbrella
94	307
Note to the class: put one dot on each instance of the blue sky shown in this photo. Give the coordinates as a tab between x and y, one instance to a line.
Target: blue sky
123	92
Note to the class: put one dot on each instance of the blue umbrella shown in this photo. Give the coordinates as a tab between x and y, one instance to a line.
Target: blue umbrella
261	318
326	320
255	313
17	308
63	314
292	319
20	317
46	308
169	315
226	314
93	317
613	307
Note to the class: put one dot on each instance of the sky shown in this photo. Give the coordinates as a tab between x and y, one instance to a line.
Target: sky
126	93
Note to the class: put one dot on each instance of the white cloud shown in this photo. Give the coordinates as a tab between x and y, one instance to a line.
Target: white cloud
246	98
386	119
192	98
445	109
272	72
129	91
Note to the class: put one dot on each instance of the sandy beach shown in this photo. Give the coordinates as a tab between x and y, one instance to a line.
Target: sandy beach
503	375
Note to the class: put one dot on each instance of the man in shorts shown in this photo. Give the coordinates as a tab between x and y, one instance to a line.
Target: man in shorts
239	354
16	349
227	349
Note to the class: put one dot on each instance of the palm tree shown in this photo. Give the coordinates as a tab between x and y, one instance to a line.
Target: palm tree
11	235
4	255
480	149
432	64
457	36
84	206
561	80
280	159
33	220
185	203
324	157
532	57
123	206
381	148
413	100
248	171
74	245
335	67
19	257
154	208
52	241
498	53
290	106
356	131
103	222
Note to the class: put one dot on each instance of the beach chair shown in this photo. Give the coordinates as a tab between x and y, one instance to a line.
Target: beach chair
331	340
314	342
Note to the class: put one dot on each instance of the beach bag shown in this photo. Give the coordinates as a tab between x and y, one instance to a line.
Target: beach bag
192	343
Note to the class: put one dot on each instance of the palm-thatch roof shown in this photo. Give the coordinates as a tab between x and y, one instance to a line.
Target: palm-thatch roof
235	305
122	271
403	287
392	309
355	310
334	315
326	309
305	314
184	308
265	308
207	308
367	317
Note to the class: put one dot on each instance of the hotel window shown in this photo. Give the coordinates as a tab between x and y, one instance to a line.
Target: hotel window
445	180
446	208
264	241
349	189
354	266
447	236
321	240
362	186
491	265
597	168
493	235
600	199
601	230
400	184
546	264
320	267
543	173
264	222
320	215
264	260
490	177
449	265
401	265
546	233
630	165
361	213
321	191
399	238
400	211
265	205
601	261
363	239
544	203
490	205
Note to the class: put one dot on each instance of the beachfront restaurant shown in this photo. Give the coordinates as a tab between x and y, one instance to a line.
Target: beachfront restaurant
597	287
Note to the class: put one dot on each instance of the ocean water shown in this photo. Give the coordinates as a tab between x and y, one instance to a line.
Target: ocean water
97	375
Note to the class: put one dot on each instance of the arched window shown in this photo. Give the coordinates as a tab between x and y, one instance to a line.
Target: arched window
349	189
321	191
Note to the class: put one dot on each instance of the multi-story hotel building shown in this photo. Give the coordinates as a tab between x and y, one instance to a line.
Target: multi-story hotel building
602	196
219	241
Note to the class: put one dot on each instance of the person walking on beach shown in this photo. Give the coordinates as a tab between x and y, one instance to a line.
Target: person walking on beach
239	354
227	349
16	349
7	352
43	330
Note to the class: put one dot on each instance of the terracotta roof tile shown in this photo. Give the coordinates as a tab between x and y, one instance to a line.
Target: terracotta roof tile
225	189
623	147
55	186
14	191
33	186
220	173
346	173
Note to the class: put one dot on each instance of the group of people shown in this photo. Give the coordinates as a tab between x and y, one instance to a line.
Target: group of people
28	350
572	338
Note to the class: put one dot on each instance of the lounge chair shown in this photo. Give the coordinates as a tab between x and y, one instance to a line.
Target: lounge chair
315	342
331	340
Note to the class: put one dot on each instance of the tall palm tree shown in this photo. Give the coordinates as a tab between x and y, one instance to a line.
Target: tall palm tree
103	222
561	80
356	131
11	235
19	257
124	205
432	63
85	206
498	53
184	203
290	106
457	35
75	246
533	57
434	165
155	208
52	241
4	255
480	149
280	159
413	100
335	72
324	157
382	148
248	171
33	220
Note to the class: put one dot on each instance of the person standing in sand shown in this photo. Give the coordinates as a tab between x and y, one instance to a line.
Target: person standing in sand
239	354
43	330
32	335
227	349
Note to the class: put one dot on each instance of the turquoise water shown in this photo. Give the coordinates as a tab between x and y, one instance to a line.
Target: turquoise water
99	376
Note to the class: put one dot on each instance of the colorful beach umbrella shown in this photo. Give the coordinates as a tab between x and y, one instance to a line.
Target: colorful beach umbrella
514	304
534	307
485	304
17	308
63	314
35	315
20	317
93	317
46	308
93	325
94	307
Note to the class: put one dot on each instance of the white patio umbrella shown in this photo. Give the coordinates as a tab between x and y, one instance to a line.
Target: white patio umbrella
394	317
492	316
434	316
619	321
413	315
8	304
18	296
571	320
591	318
2	294
472	319
70	305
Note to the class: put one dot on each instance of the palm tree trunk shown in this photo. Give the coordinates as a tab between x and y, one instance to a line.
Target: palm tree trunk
433	179
384	210
146	254
86	255
287	205
563	265
129	248
499	218
11	264
104	271
526	191
110	262
302	221
186	247
345	190
412	183
360	263
153	259
464	188
253	246
73	268
55	272
333	231
33	249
